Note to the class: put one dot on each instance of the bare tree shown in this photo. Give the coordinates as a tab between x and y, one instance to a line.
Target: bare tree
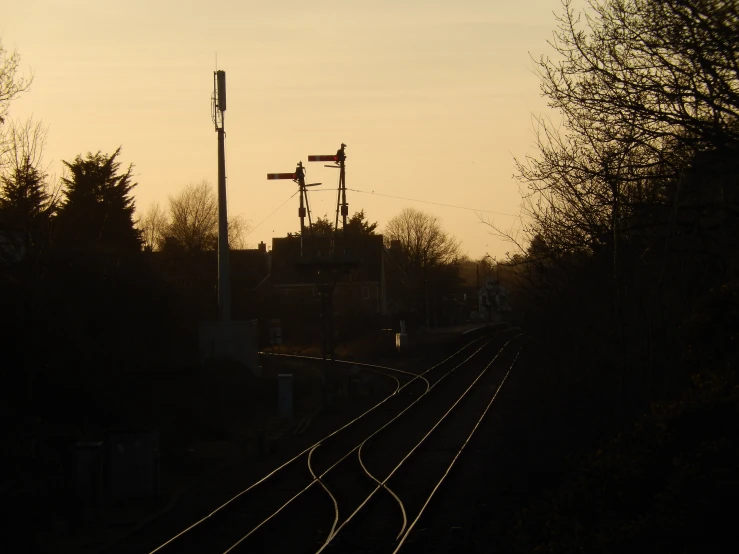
642	70
153	226
422	239
645	89
641	87
193	220
11	85
431	257
238	229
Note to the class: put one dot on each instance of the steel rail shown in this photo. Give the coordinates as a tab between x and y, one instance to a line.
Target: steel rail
309	485
308	449
461	448
384	485
408	455
333	498
388	489
370	367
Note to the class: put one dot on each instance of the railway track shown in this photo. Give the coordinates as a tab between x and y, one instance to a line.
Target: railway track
315	520
424	457
249	520
335	462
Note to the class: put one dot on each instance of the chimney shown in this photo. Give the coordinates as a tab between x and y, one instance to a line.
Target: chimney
262	247
394	245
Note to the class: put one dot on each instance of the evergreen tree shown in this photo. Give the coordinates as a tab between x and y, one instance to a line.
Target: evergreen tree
27	202
358	225
26	205
98	208
322	226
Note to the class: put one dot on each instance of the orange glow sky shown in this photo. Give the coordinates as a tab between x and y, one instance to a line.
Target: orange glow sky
432	98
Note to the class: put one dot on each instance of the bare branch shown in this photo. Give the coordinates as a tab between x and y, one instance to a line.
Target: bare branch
11	84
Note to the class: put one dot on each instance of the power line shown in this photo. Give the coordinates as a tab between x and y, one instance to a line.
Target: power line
385	195
273	212
373	193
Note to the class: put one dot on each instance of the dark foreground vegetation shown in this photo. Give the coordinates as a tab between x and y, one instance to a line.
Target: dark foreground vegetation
622	433
568	473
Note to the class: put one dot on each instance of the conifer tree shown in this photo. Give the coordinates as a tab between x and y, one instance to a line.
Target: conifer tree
97	212
27	201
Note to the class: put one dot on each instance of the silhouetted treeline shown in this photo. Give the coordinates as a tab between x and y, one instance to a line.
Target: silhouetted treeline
629	277
627	280
80	300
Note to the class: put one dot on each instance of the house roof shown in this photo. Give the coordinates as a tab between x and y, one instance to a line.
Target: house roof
358	259
248	267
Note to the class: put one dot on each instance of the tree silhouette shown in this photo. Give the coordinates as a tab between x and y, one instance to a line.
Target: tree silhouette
422	239
647	70
193	221
357	225
11	85
27	202
322	226
642	88
98	208
631	199
153	227
430	258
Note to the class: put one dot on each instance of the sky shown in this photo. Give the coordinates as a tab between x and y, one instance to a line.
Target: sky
433	99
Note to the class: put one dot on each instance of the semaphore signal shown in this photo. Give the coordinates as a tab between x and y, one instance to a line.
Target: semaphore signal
323	158
341	206
299	177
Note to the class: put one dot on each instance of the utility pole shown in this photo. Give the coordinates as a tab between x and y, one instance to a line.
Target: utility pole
224	278
340	159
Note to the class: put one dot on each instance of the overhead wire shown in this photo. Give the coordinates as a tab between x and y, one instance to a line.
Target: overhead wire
272	213
372	193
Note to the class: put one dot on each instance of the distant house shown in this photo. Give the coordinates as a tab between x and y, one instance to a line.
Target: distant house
195	276
398	286
494	297
356	272
281	288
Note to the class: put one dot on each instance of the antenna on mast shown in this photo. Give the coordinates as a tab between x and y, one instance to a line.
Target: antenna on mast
224	282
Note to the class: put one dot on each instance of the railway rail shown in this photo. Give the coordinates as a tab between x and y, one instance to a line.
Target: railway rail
335	459
350	489
389	523
290	481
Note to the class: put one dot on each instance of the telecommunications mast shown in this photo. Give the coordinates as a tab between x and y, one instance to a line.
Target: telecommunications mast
224	281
